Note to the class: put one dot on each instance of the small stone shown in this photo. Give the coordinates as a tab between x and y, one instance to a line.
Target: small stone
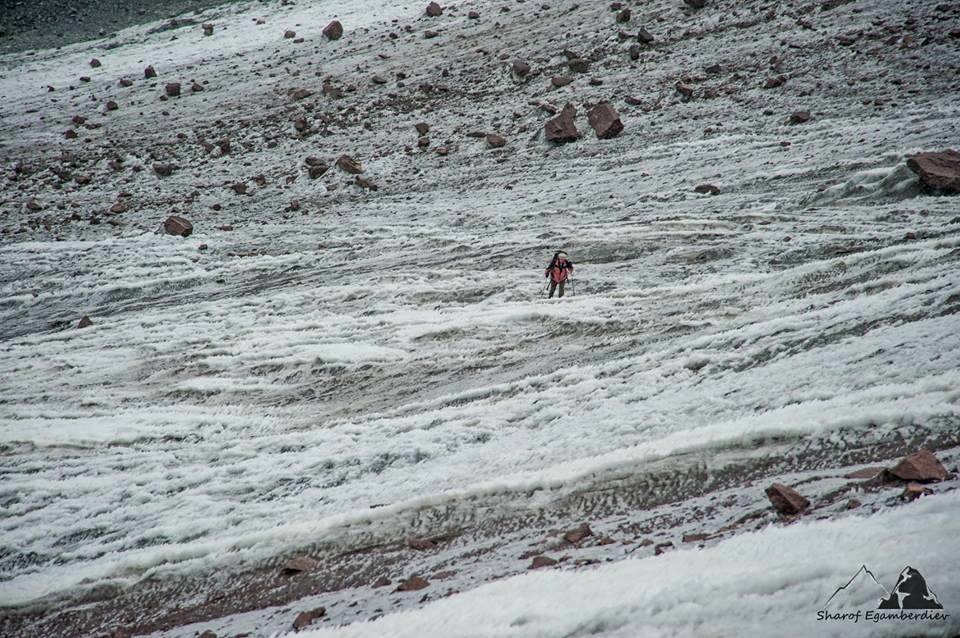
207	29
163	170
85	322
434	10
111	105
95	63
149	72
289	35
705	189
299	564
661	548
561	80
914	491
623	16
422	128
383	581
173	89
644	36
800	117
520	69
774	82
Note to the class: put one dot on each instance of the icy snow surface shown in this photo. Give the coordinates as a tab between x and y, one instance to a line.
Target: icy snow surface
385	360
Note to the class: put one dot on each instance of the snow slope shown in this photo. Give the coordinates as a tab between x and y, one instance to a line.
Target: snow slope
339	368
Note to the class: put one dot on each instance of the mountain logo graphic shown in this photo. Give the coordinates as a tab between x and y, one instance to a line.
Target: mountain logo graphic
910	591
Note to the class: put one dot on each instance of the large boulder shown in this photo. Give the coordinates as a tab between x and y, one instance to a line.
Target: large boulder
176	225
333	31
605	121
937	171
919	466
562	128
786	500
434	10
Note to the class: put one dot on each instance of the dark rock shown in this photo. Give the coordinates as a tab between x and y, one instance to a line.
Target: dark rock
125	82
422	128
605	121
495	141
579	65
661	548
383	581
473	15
713	69
920	466
562	128
306	617
413	583
239	188
521	69
95	63
624	16
289	35
149	72
684	90
696	4
300	124
333	31
786	500
298	565
84	322
349	165
774	82
196	87
365	183
937	171
578	533
317	171
542	561
300	94
176	225
695	538
914	491
172	89
853	504
163	170
207	29
428	34
644	36
704	189
434	10
561	80
634	52
800	117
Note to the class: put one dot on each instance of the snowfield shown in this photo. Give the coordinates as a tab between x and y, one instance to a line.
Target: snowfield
329	370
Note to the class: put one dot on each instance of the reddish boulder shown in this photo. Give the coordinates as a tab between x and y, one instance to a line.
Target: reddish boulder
937	171
176	225
422	128
605	121
562	128
95	63
542	561
173	89
624	15
800	117
578	533
786	500
207	29
84	322
561	80
644	36
434	10
521	69
306	617
350	165
495	141
920	466
289	35
413	584
333	31
149	72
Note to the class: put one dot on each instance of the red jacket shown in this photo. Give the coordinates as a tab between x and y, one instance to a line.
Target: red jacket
559	271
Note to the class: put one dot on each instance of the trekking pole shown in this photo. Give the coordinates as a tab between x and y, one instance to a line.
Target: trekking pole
573	288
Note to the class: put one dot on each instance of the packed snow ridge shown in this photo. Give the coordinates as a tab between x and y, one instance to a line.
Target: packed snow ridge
271	288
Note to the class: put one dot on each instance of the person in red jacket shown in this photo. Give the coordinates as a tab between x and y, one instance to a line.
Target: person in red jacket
558	271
